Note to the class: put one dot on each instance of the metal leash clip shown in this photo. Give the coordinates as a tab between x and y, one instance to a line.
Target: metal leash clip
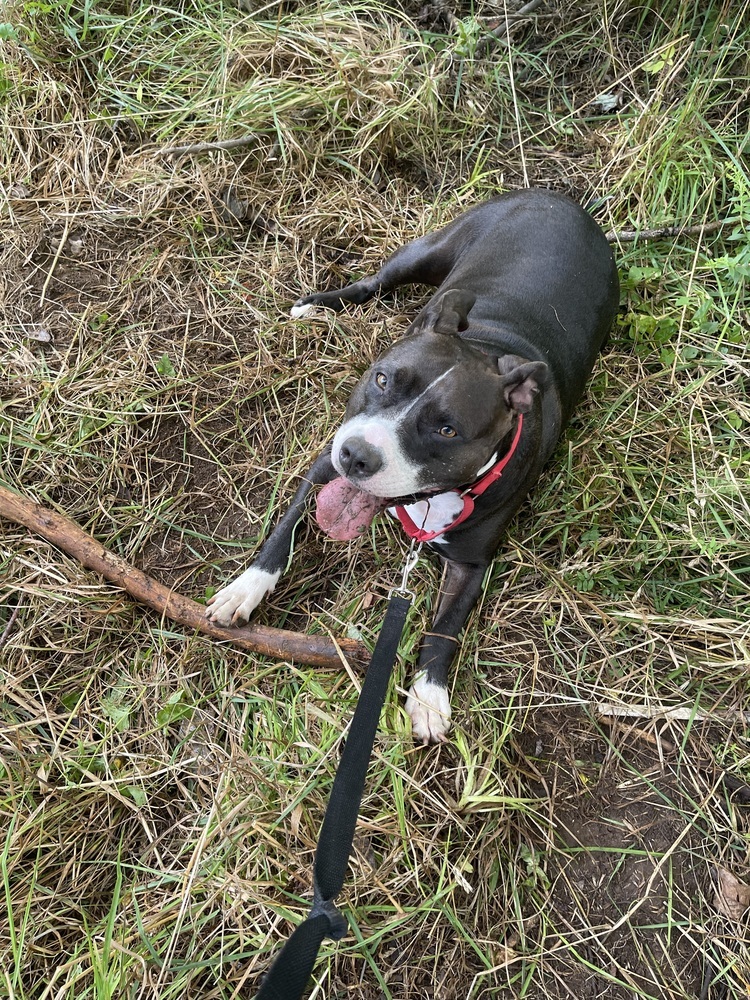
412	559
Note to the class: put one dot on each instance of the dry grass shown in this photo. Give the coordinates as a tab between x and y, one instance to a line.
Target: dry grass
161	796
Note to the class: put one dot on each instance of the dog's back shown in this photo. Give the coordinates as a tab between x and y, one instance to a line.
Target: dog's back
544	278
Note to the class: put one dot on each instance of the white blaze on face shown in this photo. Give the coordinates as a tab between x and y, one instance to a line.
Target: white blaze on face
398	475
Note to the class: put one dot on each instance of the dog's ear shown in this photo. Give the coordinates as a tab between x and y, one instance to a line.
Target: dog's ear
521	381
455	306
449	314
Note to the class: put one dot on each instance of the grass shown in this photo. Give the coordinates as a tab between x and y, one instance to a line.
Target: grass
160	795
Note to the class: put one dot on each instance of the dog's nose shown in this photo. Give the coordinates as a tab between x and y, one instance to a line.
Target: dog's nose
359	459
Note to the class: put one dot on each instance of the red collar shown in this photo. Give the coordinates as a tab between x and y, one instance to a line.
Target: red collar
468	496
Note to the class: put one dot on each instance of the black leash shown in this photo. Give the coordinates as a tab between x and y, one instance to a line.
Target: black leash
291	971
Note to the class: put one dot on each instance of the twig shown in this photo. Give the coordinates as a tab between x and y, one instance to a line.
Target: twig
55	259
203	147
678	713
507	22
278	643
629	235
9	626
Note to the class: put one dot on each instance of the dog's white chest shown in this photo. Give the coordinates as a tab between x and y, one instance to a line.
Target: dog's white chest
435	513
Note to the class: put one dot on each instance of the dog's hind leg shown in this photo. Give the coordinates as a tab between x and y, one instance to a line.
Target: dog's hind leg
427	261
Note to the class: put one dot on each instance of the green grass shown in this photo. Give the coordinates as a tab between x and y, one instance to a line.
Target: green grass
160	795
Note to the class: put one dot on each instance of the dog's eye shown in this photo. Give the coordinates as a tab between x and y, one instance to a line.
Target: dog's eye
447	431
381	380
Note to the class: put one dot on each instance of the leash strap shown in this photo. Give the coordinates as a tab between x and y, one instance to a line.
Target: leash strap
291	971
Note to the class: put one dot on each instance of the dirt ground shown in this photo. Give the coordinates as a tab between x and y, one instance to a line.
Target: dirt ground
627	876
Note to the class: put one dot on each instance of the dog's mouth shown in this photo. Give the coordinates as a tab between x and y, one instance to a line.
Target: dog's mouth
344	511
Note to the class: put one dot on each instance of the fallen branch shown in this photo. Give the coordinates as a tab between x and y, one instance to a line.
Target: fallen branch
278	643
9	627
506	24
630	235
205	147
678	713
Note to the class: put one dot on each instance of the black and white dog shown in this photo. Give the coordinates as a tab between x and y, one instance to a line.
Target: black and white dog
451	427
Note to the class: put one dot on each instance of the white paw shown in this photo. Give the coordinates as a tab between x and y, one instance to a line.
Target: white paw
298	312
428	707
237	601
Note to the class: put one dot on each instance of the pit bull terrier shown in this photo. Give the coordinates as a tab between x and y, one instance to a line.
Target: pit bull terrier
450	428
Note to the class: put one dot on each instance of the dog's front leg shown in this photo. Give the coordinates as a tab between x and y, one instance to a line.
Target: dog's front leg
427	703
237	601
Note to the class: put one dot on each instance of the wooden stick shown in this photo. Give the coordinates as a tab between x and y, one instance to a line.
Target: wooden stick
507	22
204	147
630	235
281	644
678	713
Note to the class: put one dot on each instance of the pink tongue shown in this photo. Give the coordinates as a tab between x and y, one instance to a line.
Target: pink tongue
344	512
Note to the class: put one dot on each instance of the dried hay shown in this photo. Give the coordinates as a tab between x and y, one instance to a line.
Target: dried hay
161	796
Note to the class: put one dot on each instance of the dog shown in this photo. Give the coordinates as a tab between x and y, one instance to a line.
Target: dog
451	427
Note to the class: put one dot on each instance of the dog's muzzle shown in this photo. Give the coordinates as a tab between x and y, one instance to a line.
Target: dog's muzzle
358	459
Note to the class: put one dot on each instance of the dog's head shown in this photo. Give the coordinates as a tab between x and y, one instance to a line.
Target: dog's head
430	413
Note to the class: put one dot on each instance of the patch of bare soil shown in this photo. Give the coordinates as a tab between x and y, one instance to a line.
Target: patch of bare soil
627	881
